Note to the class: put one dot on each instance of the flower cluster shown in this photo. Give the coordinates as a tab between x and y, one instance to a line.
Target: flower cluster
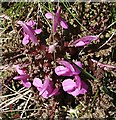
47	87
23	77
73	87
29	33
57	19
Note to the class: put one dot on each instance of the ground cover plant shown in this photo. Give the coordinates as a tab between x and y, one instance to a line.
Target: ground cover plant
57	60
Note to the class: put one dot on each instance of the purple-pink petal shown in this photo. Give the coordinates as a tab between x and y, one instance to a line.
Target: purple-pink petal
80	43
68	85
66	64
45	94
21	77
30	32
45	85
37	83
78	81
75	92
54	92
38	31
89	38
49	92
49	15
84	88
84	41
26	83
21	72
51	48
31	23
25	39
62	71
78	63
63	24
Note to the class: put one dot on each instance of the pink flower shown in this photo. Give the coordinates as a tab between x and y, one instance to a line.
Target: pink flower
23	77
46	89
84	41
66	69
74	87
29	33
57	19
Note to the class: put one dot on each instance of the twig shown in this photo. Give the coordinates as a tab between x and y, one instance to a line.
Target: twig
16	98
108	39
11	98
26	105
107	28
19	91
17	110
8	95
